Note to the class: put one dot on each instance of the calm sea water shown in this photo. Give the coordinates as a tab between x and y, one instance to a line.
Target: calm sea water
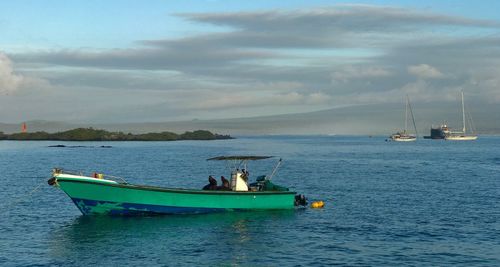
431	203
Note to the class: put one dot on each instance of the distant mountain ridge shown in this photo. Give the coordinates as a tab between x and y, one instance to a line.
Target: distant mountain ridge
355	120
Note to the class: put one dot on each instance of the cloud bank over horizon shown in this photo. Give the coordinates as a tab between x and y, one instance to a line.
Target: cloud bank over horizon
255	63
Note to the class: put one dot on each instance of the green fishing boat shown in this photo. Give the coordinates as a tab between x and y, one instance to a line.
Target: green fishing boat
104	194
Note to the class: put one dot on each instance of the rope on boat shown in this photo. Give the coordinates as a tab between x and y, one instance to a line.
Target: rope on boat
21	198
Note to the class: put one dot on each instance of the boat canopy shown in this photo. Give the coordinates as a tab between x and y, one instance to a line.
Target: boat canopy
240	158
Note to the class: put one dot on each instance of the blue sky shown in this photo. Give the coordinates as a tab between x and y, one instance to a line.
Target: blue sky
178	60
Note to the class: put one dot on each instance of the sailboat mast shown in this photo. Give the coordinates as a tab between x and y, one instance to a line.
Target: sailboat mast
412	117
406	114
463	112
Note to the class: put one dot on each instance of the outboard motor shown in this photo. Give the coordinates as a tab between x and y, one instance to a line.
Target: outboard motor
51	181
300	200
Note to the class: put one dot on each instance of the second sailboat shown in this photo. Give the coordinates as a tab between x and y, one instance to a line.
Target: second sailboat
405	136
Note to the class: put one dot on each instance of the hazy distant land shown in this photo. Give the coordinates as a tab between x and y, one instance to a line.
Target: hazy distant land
354	120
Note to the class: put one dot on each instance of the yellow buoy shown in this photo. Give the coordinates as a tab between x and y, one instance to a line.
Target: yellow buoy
317	204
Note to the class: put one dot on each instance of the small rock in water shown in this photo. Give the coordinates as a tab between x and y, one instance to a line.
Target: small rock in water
57	146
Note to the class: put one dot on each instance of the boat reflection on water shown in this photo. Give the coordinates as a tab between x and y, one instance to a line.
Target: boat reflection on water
229	237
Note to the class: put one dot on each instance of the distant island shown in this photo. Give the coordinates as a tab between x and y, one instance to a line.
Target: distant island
91	134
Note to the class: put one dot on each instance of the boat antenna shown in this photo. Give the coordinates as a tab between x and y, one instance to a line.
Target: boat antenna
274	170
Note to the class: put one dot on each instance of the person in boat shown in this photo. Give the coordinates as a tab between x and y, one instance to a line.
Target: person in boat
212	184
225	184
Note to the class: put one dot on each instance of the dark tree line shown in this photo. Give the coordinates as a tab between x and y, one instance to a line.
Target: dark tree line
91	134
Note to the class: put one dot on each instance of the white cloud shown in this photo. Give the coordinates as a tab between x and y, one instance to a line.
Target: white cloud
425	71
355	72
318	98
12	82
9	81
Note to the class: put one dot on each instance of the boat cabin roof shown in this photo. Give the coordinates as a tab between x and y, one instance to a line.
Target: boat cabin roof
240	158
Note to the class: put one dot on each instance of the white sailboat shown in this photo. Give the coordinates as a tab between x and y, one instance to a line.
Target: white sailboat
404	136
461	136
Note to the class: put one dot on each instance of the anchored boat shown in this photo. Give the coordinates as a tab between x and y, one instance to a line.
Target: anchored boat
404	136
438	132
462	135
98	194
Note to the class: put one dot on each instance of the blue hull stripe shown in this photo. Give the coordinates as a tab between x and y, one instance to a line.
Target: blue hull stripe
89	207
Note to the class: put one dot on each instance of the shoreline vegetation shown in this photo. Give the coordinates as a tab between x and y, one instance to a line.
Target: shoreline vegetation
91	134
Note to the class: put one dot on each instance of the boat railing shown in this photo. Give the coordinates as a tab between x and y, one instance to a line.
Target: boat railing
116	179
95	174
